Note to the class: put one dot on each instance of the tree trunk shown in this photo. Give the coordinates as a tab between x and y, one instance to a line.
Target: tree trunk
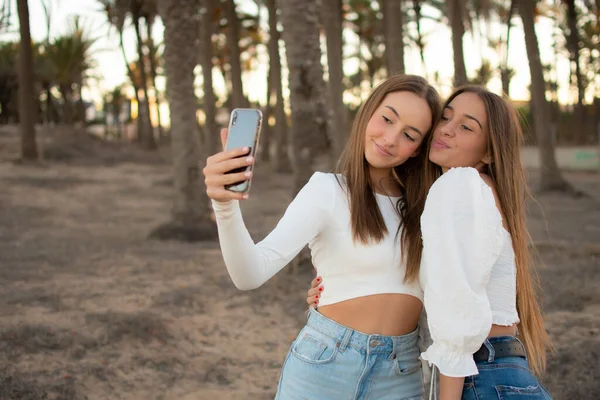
505	72
147	135
332	22
456	14
67	95
153	75
136	89
309	127
281	131
266	141
26	91
233	37
190	212
550	176
420	41
573	45
393	25
211	130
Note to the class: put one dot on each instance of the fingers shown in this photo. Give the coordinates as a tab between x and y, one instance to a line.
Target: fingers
224	134
222	194
227	155
314	293
315	282
226	179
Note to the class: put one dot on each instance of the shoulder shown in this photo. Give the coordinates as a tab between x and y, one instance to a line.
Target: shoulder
464	182
321	190
322	181
463	192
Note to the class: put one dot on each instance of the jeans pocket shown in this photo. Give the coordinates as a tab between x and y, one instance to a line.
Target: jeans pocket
314	350
407	365
527	393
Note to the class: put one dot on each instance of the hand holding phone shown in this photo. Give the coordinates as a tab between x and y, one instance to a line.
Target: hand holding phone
244	132
228	174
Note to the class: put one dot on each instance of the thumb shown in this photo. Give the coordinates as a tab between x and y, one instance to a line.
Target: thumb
224	134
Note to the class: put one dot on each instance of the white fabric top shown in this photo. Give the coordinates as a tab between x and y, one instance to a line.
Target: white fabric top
468	270
320	217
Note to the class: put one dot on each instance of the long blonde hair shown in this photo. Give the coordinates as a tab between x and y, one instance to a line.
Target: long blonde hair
508	174
366	219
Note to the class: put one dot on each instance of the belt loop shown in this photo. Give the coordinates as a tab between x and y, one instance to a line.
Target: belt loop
345	340
491	350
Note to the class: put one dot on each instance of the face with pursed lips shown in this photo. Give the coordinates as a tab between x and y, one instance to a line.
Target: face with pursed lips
461	137
396	130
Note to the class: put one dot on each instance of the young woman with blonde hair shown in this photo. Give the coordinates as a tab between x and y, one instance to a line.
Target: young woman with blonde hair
479	292
362	226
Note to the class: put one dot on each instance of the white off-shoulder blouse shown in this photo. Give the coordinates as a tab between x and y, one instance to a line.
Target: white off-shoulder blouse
468	270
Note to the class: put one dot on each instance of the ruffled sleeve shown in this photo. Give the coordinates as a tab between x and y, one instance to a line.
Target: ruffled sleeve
462	239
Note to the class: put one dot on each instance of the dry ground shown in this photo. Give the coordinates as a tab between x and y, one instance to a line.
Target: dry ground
92	309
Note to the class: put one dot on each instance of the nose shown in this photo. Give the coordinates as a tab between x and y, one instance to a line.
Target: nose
390	137
447	129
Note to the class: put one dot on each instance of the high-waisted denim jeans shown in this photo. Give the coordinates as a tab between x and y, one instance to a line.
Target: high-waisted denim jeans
329	361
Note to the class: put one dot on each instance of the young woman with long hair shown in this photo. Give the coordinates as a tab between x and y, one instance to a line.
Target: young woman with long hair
479	291
362	227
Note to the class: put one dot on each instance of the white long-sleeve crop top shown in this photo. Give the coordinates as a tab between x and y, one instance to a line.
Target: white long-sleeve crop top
468	270
320	217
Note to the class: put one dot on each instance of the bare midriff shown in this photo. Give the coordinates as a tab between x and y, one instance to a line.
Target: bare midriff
381	314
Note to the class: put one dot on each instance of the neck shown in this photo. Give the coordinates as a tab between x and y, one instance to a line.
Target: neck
384	182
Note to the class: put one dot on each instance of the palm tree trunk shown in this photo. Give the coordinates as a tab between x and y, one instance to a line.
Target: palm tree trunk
573	45
420	41
136	89
393	25
153	74
550	176
211	130
66	92
147	136
332	22
281	131
309	126
190	212
266	141
233	36
456	13
505	73
26	92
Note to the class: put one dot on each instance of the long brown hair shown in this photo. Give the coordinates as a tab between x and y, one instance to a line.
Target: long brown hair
367	222
508	174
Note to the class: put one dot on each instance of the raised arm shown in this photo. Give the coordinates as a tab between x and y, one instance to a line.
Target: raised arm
251	265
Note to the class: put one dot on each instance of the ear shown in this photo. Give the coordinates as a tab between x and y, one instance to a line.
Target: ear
487	159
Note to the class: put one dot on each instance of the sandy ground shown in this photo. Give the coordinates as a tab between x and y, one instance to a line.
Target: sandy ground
92	309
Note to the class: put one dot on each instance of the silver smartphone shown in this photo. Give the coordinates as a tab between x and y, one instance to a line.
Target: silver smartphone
244	131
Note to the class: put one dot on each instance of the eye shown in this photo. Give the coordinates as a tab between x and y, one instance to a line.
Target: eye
386	119
467	128
444	118
409	137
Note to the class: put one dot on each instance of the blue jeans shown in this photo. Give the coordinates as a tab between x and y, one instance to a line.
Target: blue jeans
330	361
503	378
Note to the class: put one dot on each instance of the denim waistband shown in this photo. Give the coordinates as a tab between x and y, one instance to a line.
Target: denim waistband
358	340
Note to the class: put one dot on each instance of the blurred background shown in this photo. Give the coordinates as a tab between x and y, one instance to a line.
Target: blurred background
111	280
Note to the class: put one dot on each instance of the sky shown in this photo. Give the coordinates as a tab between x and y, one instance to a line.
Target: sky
438	54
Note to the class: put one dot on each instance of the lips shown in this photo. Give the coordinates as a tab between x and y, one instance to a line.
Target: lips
439	144
382	151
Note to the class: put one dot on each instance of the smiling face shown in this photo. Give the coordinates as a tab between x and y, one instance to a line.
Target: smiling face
461	137
396	130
